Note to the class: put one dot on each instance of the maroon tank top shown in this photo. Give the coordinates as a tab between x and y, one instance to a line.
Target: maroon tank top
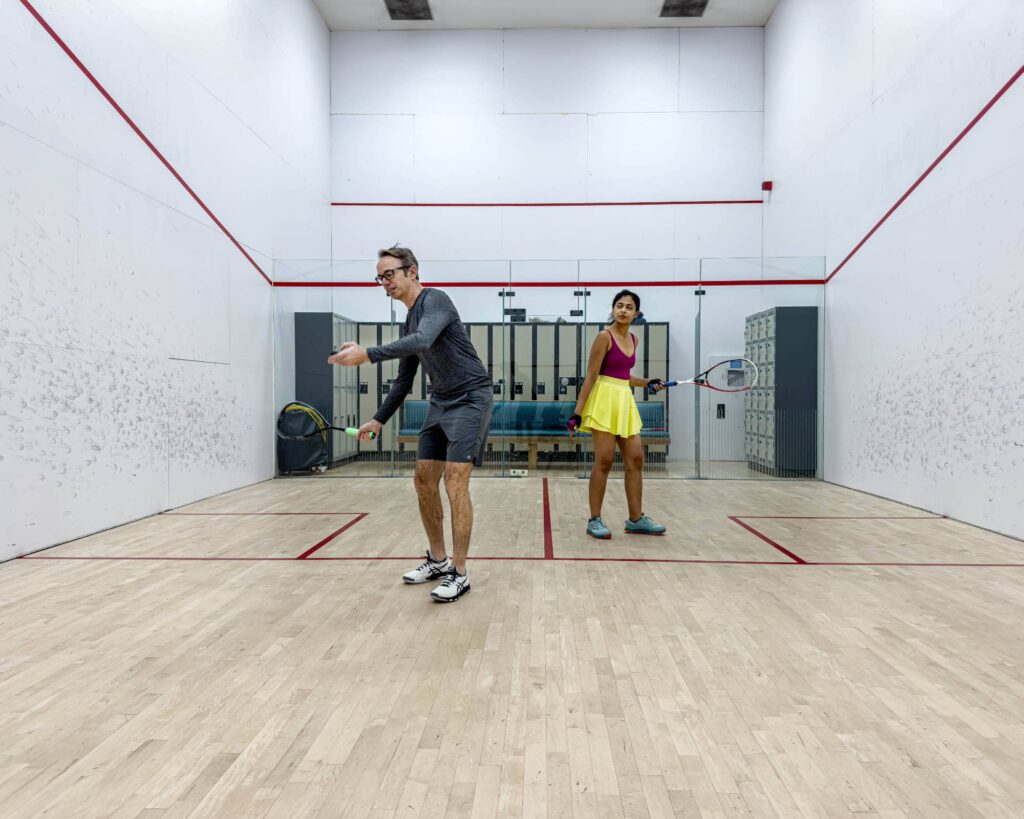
616	363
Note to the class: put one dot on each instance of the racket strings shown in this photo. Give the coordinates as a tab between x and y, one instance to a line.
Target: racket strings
728	376
321	424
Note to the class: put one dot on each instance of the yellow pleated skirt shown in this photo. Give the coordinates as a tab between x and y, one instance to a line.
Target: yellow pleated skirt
611	408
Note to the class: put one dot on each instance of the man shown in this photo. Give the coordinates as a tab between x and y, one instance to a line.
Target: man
454	434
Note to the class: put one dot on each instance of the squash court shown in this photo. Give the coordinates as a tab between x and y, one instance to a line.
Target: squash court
699	321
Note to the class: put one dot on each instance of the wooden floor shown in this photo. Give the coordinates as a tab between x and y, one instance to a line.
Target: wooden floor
765	658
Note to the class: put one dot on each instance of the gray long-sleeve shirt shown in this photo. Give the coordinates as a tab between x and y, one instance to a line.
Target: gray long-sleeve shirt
434	334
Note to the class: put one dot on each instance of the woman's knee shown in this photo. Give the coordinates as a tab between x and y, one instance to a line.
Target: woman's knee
632	458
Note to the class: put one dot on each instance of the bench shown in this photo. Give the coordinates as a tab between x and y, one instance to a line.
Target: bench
534	423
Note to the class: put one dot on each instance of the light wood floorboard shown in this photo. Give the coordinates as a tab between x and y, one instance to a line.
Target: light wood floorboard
631	686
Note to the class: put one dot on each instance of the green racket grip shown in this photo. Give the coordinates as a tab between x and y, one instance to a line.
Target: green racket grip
354	432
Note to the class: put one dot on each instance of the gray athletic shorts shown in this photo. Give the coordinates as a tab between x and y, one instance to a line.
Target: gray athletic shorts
456	429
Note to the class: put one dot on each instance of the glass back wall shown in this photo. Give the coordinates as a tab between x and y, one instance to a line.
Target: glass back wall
533	324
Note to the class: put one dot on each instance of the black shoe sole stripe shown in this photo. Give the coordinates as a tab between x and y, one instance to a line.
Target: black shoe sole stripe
462	591
425	579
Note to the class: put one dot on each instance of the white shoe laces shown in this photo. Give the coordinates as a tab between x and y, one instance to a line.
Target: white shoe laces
430	564
451	579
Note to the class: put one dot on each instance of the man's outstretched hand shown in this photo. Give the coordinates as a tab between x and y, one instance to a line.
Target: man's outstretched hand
350	355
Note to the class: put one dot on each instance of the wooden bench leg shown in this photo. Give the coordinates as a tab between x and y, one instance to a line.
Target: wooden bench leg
532	457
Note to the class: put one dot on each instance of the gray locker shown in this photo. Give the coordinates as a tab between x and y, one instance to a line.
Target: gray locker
369	383
521	364
654	349
332	390
566	370
346	394
501	353
781	417
544	386
478	337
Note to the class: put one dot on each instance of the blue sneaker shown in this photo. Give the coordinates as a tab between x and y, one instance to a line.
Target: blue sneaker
644	526
596	528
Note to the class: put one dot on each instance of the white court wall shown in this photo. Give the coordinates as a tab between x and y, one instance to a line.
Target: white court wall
135	348
545	116
925	321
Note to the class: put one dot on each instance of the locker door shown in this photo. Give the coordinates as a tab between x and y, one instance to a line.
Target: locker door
522	362
346	393
481	335
568	356
655	359
369	379
544	386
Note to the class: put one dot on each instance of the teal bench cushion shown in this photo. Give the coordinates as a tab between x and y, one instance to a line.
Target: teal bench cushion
546	418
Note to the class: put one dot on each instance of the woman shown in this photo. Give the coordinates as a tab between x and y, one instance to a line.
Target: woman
606	409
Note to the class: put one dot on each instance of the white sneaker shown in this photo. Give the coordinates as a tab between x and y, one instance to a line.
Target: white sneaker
430	569
452	587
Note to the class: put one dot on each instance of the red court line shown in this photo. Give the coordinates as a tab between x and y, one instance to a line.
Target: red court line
544	204
252	514
138	131
766	539
879	564
418	557
130	557
844	517
693	561
577	284
1006	87
375	557
303	556
472	558
922	565
331	537
794	560
549	542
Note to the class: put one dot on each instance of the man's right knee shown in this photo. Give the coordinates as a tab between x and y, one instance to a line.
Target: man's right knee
428	475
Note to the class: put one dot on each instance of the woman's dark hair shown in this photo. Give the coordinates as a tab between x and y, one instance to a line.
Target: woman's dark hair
631	294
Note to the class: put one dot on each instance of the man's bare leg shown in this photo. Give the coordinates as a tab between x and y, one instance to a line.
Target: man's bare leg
427	480
456	483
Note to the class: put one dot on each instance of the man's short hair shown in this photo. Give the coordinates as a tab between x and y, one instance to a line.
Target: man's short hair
403	254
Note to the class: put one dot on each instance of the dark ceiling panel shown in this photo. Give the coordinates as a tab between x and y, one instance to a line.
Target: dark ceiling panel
409	9
684	8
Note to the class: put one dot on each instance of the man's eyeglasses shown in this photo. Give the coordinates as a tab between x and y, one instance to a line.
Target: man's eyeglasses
388	275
